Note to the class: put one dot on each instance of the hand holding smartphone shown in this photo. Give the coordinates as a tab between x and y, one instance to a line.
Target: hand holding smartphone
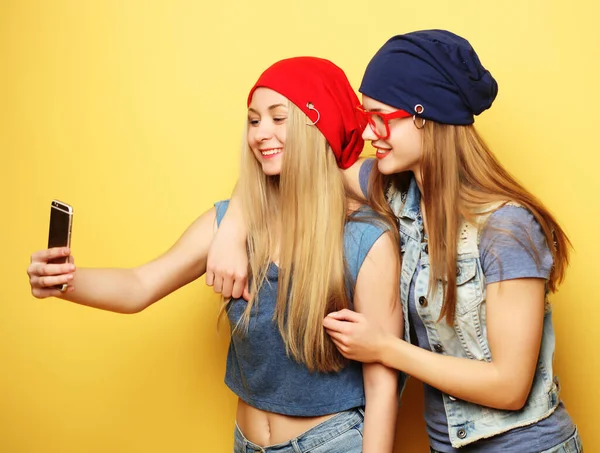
59	234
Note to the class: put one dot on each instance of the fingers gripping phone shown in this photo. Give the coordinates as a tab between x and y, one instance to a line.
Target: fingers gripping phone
59	234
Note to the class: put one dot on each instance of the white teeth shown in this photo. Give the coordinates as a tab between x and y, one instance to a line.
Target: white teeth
271	152
382	151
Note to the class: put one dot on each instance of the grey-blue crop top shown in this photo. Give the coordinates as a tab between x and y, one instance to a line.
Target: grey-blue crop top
258	369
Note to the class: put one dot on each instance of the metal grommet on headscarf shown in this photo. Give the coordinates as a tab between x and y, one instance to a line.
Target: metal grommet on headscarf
310	106
419	109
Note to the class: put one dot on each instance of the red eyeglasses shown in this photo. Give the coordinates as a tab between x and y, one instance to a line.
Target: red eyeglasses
379	122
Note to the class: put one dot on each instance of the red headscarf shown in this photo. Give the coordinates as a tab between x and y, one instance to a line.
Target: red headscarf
314	81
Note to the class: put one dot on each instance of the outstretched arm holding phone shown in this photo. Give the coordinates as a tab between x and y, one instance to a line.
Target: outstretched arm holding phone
124	290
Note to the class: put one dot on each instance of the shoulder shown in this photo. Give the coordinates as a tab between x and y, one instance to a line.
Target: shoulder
365	232
365	221
510	216
513	245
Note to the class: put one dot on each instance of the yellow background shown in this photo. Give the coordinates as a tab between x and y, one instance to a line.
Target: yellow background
132	111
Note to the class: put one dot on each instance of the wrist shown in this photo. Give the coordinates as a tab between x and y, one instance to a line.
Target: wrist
234	233
383	350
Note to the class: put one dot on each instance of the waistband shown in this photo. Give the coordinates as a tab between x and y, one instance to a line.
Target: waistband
315	436
571	445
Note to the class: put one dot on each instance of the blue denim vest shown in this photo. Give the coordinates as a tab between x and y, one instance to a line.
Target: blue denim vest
467	338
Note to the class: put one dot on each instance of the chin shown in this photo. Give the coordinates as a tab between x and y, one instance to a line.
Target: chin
271	170
391	165
388	168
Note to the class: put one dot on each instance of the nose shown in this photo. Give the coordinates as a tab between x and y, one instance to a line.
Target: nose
368	134
264	131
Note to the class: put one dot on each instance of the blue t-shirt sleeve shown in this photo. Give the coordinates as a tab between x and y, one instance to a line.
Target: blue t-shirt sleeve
363	175
370	234
512	245
221	207
361	233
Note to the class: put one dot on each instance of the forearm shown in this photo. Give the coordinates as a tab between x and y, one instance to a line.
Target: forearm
483	383
381	408
118	290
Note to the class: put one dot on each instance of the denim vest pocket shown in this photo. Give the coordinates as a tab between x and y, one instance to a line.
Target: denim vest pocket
469	291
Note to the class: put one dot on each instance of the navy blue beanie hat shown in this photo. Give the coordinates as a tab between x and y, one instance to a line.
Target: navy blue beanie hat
434	68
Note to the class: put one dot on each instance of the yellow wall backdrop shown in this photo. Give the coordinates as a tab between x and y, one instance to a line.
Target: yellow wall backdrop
132	111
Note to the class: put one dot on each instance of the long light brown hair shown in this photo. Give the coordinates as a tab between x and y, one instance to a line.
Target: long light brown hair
297	219
463	180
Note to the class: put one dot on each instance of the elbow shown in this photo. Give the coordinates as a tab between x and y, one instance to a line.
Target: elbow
133	306
137	306
127	309
511	389
138	297
513	397
515	402
131	310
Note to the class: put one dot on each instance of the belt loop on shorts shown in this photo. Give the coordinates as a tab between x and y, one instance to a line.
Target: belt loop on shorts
295	445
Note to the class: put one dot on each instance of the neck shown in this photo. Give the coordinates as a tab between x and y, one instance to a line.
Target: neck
419	180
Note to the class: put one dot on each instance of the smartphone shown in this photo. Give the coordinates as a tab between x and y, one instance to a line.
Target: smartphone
61	222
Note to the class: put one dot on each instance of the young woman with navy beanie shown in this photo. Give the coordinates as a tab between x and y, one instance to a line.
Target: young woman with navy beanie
312	251
480	256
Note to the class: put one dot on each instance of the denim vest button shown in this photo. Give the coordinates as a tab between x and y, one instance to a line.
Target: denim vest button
438	348
461	433
423	301
427	249
458	271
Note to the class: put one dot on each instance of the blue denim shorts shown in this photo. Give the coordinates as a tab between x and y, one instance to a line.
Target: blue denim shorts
342	433
571	445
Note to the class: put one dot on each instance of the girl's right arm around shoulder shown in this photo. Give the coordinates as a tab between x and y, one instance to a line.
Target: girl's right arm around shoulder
227	266
125	290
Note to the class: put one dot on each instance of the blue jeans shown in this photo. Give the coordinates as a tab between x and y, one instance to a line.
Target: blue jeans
571	445
341	433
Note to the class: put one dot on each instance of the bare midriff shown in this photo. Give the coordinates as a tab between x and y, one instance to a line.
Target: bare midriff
267	428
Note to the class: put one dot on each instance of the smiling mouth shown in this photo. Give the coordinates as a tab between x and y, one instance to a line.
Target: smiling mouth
270	152
381	153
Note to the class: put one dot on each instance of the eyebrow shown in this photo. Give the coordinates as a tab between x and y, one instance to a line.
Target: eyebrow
272	107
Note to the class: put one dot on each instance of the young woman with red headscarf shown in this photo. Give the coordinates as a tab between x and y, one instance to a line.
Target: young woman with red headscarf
311	252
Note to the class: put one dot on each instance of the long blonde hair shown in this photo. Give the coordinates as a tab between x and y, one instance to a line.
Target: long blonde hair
461	179
298	218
